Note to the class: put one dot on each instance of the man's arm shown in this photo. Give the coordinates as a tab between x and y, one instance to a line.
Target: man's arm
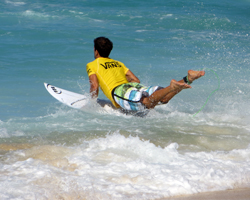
131	77
94	86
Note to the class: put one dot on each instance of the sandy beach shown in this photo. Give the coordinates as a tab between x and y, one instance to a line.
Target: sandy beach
236	194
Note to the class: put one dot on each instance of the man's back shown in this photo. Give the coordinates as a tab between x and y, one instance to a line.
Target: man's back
110	74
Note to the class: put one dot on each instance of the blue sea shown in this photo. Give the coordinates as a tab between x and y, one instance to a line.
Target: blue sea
198	142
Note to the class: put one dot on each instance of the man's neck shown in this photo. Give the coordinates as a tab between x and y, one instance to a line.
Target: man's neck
100	57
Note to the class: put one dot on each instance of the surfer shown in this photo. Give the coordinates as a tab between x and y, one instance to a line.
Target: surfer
122	87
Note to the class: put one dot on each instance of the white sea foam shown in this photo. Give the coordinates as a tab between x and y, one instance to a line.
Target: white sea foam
166	16
4	133
139	31
7	33
18	3
31	13
118	167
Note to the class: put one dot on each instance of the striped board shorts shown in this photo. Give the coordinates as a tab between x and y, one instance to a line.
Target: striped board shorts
129	95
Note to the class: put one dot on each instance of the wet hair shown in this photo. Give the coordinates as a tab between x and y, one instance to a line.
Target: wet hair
103	45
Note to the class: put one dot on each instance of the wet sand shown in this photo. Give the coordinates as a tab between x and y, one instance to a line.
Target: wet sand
236	194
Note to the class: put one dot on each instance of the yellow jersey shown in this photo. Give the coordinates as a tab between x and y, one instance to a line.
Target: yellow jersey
110	74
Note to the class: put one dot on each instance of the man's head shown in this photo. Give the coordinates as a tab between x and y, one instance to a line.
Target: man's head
103	46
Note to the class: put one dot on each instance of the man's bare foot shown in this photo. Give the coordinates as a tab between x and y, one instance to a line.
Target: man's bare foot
193	75
177	86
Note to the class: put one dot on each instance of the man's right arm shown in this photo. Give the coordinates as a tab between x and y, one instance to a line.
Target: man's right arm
131	77
94	86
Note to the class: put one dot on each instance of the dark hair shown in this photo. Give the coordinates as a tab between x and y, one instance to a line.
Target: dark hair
103	46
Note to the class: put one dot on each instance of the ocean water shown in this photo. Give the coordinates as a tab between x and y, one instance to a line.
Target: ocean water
198	142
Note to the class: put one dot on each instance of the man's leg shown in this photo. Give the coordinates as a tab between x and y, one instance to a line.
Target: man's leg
158	95
165	94
192	75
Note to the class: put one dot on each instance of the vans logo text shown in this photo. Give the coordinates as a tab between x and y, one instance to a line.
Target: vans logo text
109	65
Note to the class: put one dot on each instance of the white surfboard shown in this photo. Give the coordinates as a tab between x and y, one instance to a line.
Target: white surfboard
80	101
72	99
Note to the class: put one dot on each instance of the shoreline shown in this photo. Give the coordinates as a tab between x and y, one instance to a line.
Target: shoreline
234	194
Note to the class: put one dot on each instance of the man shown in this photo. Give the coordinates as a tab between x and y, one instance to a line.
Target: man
122	87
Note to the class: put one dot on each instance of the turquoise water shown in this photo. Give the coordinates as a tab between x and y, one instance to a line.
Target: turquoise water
198	142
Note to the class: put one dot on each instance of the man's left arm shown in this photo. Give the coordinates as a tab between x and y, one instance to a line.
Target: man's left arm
131	77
